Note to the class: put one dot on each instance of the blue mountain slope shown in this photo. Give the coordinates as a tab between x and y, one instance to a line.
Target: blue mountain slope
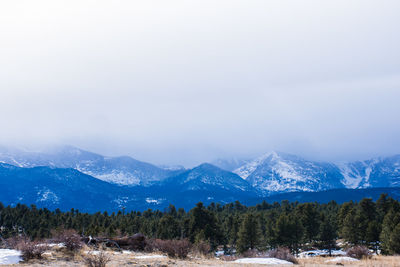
68	188
206	183
120	170
58	188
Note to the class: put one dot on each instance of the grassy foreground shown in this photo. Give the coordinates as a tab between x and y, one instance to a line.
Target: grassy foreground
57	257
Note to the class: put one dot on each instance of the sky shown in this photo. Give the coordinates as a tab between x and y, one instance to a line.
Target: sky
184	82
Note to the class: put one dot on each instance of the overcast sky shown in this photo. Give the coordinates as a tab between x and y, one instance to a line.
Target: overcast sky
182	82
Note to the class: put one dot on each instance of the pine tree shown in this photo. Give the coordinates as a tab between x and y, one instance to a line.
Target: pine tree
168	228
204	220
391	220
327	234
249	233
309	218
394	241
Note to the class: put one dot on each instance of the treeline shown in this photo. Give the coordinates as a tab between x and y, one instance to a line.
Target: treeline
264	226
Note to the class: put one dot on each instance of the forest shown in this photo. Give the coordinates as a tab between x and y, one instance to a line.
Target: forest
297	226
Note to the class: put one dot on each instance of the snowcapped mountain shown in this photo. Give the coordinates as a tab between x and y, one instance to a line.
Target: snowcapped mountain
272	173
65	178
377	172
280	172
206	183
276	172
206	176
119	170
68	188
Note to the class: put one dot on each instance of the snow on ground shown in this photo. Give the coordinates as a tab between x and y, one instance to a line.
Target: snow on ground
150	257
262	261
52	245
338	259
10	256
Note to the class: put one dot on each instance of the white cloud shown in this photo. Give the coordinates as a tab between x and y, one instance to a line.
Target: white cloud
184	82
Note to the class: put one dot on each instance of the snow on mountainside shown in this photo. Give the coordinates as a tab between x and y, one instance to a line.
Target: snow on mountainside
207	175
271	173
206	183
119	170
281	172
377	172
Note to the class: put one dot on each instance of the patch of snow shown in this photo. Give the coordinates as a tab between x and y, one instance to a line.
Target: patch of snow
351	178
47	195
115	176
150	257
219	253
246	170
367	176
153	201
338	259
10	256
262	261
123	252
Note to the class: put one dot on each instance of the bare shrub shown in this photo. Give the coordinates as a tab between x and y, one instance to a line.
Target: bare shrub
152	245
282	253
97	260
71	239
182	248
31	250
359	252
173	248
202	248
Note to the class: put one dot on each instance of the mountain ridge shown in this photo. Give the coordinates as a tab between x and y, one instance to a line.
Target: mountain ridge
271	173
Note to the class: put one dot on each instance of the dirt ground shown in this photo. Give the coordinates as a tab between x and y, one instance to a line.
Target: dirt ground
117	259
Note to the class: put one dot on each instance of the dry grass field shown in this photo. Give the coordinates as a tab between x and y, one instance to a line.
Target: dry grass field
58	257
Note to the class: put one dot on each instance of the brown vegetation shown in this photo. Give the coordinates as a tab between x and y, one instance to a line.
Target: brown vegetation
70	239
283	254
359	252
173	248
97	260
31	250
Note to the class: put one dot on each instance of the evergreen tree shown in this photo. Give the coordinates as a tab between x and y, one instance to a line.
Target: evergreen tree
249	233
309	218
168	228
327	234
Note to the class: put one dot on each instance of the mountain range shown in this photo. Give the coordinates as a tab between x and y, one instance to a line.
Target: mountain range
67	177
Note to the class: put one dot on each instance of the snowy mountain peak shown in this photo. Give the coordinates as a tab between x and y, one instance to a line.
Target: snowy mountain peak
246	170
281	172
